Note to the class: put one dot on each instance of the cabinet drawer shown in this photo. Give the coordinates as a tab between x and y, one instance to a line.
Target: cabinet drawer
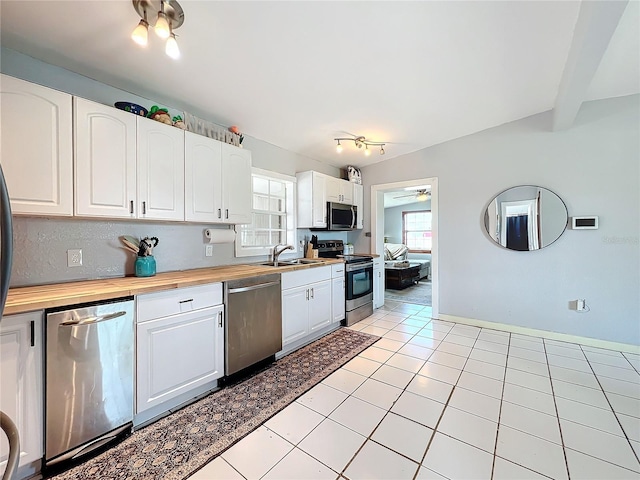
164	304
337	271
303	277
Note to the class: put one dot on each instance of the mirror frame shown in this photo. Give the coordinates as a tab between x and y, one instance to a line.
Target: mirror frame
527	207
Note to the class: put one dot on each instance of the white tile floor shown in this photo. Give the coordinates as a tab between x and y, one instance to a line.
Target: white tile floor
438	400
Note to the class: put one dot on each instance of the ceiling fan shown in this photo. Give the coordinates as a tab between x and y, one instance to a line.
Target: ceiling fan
421	195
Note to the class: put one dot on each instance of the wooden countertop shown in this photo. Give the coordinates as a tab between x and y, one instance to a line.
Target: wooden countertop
26	299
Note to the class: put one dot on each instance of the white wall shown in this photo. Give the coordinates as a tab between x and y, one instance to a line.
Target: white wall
593	167
41	243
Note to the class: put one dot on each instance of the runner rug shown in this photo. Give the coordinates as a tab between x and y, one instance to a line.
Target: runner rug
176	446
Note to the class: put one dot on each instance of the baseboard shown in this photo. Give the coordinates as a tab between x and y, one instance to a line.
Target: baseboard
563	337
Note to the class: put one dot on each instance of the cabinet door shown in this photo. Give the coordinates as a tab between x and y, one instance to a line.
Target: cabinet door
319	305
160	170
203	178
105	160
37	152
295	314
333	189
378	286
319	200
21	395
178	353
236	190
358	191
346	190
337	299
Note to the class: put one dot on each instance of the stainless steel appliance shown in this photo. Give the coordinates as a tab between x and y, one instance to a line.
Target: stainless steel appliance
358	288
253	330
6	260
358	280
89	378
341	216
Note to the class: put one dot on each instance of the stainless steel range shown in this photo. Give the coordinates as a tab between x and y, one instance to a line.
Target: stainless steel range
358	280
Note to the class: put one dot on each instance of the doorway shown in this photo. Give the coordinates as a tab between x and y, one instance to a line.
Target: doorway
378	224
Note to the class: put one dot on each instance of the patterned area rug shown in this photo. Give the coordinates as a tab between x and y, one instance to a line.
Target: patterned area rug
176	446
419	294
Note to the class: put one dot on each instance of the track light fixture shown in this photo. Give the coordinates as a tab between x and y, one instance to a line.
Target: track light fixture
360	142
169	17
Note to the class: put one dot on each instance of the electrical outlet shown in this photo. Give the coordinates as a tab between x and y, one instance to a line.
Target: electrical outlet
74	257
208	250
580	303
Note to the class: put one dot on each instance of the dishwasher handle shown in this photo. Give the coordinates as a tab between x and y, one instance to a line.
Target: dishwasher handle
92	320
253	287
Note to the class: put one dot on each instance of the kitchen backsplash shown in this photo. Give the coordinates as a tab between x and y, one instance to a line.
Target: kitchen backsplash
41	244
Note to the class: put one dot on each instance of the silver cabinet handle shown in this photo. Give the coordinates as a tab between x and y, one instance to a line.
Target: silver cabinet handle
144	208
220	319
131	207
226	213
92	320
307	293
312	293
186	301
219	213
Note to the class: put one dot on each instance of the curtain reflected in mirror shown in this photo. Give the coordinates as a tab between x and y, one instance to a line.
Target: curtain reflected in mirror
526	218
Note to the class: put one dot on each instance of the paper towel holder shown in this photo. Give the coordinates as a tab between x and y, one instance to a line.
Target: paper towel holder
220	235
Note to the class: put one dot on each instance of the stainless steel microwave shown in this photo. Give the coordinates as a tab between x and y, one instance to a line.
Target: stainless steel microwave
341	216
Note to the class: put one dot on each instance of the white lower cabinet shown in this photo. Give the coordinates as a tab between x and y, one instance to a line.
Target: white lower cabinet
181	350
337	292
306	303
21	395
378	282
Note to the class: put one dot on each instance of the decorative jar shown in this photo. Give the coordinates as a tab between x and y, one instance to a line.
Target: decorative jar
145	266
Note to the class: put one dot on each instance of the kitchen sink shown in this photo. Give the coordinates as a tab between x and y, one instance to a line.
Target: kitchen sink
288	263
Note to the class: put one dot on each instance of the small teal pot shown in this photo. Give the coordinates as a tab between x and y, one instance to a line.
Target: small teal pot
145	266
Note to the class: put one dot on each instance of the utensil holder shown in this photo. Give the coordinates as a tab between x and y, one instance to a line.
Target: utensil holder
145	266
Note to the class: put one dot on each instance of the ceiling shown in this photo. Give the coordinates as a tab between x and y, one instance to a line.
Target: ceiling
299	74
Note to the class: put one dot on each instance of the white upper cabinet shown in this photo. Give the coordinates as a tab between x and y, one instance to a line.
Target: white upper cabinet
203	178
105	161
236	188
160	171
358	191
217	181
339	190
312	199
37	152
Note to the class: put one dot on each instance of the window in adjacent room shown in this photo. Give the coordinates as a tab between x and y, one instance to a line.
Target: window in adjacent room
273	214
416	231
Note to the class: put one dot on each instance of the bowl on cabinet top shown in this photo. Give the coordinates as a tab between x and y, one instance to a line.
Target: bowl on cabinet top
132	107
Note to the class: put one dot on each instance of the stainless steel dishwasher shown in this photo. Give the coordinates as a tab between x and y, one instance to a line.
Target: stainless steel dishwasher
253	330
89	378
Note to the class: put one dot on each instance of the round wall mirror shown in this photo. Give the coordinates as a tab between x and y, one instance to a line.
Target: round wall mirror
526	218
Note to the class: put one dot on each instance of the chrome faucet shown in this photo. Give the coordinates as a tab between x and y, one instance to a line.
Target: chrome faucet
276	252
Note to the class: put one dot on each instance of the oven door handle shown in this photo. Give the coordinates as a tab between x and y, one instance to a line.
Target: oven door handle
356	267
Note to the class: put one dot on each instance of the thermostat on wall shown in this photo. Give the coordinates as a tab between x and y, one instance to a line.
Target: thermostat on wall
584	223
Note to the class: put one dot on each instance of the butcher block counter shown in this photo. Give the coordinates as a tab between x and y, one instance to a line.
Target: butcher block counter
25	299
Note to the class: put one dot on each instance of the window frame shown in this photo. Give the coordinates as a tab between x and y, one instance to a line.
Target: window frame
290	215
404	229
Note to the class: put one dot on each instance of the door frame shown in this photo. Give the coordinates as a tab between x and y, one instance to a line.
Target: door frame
377	227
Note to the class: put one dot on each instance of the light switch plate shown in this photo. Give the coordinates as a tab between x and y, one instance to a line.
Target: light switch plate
208	250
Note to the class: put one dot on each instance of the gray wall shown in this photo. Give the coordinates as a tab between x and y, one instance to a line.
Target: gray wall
593	167
393	219
41	243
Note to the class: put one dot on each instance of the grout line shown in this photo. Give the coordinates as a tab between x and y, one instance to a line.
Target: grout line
555	405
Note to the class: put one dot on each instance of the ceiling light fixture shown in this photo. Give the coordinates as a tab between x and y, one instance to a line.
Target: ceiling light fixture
170	17
360	142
